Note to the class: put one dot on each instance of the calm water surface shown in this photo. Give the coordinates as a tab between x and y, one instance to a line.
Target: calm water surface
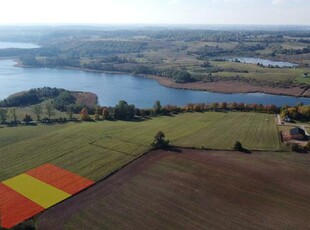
20	45
264	62
111	88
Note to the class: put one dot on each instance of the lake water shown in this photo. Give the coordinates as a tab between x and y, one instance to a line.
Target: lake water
265	62
111	88
20	45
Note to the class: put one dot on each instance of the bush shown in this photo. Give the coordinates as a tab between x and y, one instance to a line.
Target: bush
238	146
299	149
308	145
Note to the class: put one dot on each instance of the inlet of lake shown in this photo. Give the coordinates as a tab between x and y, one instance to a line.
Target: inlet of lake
111	88
264	62
17	45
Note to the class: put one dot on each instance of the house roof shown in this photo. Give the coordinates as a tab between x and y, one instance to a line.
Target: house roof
297	130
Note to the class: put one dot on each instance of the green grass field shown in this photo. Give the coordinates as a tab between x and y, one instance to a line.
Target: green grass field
260	73
94	149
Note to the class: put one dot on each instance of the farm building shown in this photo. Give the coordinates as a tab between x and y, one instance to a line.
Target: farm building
298	134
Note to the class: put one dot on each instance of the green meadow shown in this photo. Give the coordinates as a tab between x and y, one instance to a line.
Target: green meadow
95	149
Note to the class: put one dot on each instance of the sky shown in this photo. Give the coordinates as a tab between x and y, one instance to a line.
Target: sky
259	12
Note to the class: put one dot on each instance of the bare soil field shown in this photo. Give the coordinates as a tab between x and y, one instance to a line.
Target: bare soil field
191	189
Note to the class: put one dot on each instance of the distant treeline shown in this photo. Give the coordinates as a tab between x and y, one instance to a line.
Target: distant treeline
152	51
64	101
123	111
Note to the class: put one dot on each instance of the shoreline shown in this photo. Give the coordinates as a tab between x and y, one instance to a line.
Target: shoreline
224	87
233	87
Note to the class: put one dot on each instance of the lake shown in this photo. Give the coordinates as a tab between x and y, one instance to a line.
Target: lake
111	88
264	62
19	45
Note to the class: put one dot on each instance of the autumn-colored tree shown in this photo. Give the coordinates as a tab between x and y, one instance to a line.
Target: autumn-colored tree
271	108
292	112
234	106
189	107
197	108
84	114
305	111
223	106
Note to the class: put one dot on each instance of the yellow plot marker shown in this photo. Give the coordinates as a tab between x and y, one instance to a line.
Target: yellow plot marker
39	192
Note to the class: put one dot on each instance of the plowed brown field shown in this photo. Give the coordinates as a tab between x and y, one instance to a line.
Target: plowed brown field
194	190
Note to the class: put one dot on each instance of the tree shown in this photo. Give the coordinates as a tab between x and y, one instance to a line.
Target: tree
70	111
293	112
157	108
27	119
49	109
215	106
123	111
159	141
13	114
84	115
37	110
3	115
238	147
234	106
198	108
182	76
105	114
64	99
224	105
98	110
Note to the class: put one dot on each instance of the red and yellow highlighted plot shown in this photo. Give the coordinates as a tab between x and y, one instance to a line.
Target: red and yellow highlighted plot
39	192
15	208
60	178
27	194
